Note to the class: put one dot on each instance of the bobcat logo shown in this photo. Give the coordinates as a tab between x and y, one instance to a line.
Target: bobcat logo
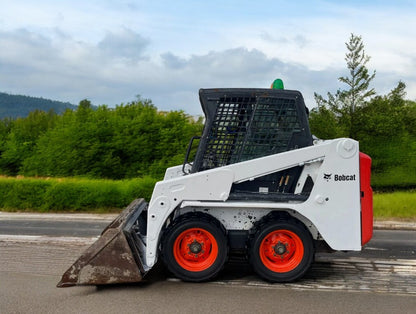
327	177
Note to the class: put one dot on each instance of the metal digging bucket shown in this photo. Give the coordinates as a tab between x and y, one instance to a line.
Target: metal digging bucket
114	257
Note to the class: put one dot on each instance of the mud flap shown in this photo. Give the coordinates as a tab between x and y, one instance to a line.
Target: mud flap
115	256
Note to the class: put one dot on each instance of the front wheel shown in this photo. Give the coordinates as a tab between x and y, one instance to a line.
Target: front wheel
281	250
194	248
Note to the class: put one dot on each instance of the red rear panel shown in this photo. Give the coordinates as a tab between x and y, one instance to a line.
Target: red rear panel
366	199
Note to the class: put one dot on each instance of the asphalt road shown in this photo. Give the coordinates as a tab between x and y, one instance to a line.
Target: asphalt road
385	244
55	228
35	252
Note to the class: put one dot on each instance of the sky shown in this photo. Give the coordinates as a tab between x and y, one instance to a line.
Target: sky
112	51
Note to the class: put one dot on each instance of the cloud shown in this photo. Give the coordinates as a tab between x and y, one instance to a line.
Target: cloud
124	44
117	69
298	40
173	62
66	69
20	46
121	65
238	67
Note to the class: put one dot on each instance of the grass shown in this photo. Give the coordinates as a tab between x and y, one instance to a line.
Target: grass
396	205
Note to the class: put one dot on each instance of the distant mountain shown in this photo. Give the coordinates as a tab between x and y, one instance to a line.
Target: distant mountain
19	106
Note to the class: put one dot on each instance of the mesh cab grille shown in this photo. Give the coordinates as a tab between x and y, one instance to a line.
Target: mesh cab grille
245	128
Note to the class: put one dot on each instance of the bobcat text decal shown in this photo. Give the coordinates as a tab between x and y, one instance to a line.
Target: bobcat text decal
344	177
340	177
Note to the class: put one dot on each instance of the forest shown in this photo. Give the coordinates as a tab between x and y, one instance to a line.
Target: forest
14	106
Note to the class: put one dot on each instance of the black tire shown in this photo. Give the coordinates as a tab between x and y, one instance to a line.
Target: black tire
281	249
194	247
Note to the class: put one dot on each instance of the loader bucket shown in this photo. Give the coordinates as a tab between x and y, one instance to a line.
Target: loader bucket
114	257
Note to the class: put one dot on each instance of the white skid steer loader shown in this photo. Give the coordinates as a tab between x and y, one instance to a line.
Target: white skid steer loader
259	183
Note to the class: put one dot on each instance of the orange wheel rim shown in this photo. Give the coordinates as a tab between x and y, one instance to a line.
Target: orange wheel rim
195	249
281	251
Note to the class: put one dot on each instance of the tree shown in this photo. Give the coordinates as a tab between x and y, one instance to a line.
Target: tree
344	103
21	139
380	127
323	123
359	80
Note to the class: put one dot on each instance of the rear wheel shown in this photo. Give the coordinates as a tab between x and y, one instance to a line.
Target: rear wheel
281	250
194	248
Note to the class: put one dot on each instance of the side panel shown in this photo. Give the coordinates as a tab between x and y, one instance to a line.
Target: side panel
334	204
175	172
366	199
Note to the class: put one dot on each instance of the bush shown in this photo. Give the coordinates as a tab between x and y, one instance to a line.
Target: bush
395	178
71	194
22	193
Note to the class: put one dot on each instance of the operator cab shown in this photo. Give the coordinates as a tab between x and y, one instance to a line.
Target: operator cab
244	124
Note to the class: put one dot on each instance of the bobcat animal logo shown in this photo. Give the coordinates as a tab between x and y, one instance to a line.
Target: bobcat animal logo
327	177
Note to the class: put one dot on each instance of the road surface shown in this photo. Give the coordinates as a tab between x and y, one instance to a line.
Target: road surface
35	252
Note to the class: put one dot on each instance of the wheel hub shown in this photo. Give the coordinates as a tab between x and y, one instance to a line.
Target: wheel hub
195	247
280	248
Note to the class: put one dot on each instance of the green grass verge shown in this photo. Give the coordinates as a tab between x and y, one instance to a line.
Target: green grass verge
398	205
71	194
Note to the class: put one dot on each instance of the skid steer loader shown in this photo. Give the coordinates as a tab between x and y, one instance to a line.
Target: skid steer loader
258	183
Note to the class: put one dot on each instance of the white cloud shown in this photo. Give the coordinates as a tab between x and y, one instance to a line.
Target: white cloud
124	44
